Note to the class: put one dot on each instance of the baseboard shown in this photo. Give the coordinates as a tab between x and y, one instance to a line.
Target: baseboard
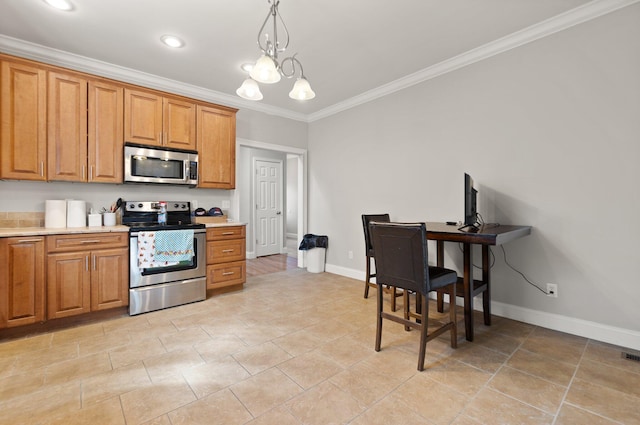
610	334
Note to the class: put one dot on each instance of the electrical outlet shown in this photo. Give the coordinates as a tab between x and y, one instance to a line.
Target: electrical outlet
552	290
350	255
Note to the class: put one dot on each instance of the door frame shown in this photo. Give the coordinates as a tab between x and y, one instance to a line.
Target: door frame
302	187
254	170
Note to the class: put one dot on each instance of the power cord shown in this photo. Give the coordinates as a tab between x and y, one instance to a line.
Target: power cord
504	252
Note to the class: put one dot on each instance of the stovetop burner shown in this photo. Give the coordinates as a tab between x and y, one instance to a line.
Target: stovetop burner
143	216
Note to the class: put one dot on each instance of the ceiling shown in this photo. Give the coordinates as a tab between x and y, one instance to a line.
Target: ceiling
349	48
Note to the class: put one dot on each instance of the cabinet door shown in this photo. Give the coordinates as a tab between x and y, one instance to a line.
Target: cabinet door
22	281
216	148
109	278
67	128
68	284
23	133
105	139
142	117
179	124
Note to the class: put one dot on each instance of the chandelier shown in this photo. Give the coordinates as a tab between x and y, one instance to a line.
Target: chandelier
267	69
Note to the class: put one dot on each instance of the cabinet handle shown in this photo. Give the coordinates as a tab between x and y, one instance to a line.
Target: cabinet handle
83	167
29	240
94	262
90	172
227	273
93	241
227	233
227	250
42	168
86	263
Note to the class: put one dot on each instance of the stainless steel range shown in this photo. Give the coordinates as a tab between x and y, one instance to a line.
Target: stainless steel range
167	262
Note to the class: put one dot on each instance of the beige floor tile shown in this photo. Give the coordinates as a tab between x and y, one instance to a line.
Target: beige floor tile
625	381
41	405
611	355
76	334
18	385
114	383
276	416
571	415
299	342
160	420
325	404
604	401
108	412
555	345
173	363
458	376
497	341
464	420
430	399
529	389
221	407
103	343
345	351
147	403
493	408
219	346
20	346
261	357
215	375
7	364
79	368
152	331
365	384
510	328
535	364
479	356
135	352
393	362
387	412
31	360
184	339
310	369
265	391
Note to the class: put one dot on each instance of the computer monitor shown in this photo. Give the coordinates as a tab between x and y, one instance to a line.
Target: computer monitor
470	204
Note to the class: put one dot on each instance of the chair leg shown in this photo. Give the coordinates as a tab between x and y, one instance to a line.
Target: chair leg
452	316
423	331
379	317
405	299
392	289
367	278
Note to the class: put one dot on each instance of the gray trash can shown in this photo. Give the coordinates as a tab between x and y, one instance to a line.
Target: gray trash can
315	247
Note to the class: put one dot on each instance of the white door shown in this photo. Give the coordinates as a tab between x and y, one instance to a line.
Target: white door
268	197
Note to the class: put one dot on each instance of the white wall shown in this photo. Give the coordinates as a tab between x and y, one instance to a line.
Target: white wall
549	131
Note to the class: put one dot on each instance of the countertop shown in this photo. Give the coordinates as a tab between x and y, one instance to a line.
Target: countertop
6	232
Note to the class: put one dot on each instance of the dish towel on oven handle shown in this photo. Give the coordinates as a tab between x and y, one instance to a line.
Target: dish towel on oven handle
147	252
174	245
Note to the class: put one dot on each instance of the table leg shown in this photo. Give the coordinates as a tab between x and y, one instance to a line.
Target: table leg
440	263
468	290
486	276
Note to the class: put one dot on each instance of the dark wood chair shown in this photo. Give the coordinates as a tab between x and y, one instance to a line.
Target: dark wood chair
366	219
402	262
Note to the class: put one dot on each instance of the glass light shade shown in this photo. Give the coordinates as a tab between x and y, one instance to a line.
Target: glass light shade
302	90
60	4
265	71
249	90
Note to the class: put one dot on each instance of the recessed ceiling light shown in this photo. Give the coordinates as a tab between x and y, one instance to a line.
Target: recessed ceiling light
172	41
60	4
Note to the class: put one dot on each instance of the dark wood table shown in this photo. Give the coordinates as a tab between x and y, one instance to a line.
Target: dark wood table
485	236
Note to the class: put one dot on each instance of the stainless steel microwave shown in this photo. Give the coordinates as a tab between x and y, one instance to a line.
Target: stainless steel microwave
150	164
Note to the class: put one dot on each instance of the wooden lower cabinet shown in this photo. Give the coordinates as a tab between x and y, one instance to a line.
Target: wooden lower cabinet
86	272
226	256
22	284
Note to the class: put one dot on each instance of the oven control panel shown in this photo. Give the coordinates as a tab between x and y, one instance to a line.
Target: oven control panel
154	206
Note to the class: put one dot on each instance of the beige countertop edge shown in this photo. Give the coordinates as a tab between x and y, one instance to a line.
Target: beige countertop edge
7	232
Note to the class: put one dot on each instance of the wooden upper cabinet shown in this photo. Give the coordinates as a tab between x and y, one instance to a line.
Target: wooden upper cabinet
179	122
156	120
142	117
216	148
67	128
105	138
22	281
23	114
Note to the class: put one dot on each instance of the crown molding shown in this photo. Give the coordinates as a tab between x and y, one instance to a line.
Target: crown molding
37	52
578	15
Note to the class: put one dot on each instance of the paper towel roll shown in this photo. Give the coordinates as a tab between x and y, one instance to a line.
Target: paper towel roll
55	214
76	213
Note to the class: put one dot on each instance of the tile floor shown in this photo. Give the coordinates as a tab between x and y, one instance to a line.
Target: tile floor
297	348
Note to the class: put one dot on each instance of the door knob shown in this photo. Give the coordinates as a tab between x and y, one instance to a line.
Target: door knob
279	212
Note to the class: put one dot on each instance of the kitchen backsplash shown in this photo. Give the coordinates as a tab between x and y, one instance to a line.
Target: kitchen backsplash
21	219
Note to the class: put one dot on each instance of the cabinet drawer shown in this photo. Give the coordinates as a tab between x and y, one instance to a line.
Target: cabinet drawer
226	274
225	251
225	232
85	241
